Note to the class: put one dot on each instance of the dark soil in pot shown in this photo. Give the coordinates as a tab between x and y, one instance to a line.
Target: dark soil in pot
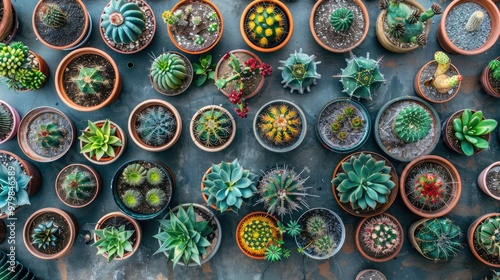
64	232
5	133
72	72
68	33
493	180
143	132
431	92
455	26
73	170
117	222
484	255
224	71
338	39
61	123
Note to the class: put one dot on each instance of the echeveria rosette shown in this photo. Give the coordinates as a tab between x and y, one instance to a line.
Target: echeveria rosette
113	241
365	182
469	128
12	178
99	141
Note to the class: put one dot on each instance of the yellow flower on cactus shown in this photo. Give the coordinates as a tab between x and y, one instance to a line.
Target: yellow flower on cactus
260	18
279	32
279	19
270	9
268	25
263	42
269	21
259	9
256	233
259	30
252	16
251	25
268	32
166	14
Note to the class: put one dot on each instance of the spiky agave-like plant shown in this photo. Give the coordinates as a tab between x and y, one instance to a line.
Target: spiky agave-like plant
46	234
412	124
299	72
156	125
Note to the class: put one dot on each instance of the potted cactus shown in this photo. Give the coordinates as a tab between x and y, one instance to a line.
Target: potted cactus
189	235
194	27
437	239
9	122
406	128
322	234
102	142
8	21
255	233
266	25
23	69
483	236
339	27
403	26
379	238
62	25
171	73
77	185
359	70
280	126
299	72
127	26
45	134
142	189
212	128
489	180
490	78
87	79
370	274
49	233
155	125
468	132
430	186
438	80
225	186
343	125
117	236
365	184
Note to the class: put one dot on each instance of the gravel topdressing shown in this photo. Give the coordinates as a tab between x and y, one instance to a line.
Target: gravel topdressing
455	27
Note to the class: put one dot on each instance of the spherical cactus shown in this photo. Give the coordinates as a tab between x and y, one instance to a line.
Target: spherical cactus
299	72
265	25
89	80
52	15
123	22
169	71
412	124
341	19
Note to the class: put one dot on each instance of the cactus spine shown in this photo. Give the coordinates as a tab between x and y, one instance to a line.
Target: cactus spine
52	15
381	235
280	124
168	71
438	239
156	125
341	19
474	21
412	124
213	128
134	174
90	80
487	236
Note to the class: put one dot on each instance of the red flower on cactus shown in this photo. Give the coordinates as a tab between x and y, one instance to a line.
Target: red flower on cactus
266	69
242	109
252	63
429	188
235	96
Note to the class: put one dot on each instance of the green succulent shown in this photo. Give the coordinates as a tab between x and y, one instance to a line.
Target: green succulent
439	239
46	234
299	72
365	183
487	236
469	128
134	174
14	184
78	185
49	135
90	80
275	252
412	124
156	197
113	241
155	176
52	15
316	226
205	70
494	66
16	70
123	22
99	140
28	78
132	198
324	245
213	128
265	25
341	19
169	71
229	185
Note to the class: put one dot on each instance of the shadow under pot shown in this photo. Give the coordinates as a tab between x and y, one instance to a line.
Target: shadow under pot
143	189
26	177
61	25
343	125
10	119
87	79
254	232
331	28
49	233
425	84
482	236
212	128
430	186
280	126
489	180
322	235
45	134
407	128
117	147
77	185
9	23
171	73
488	82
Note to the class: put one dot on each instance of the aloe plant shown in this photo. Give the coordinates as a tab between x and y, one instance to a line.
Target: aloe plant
469	128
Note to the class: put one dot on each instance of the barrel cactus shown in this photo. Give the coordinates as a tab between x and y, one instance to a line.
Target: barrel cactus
299	72
213	128
123	22
280	124
49	135
52	15
265	25
169	71
438	239
156	125
487	236
381	235
412	124
341	19
90	80
79	185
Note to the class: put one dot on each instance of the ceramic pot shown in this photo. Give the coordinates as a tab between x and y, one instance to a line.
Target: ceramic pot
436	97
15	118
79	168
198	142
482	182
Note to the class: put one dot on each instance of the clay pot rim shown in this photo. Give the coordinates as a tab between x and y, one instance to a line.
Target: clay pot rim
448	123
120	133
358	276
240	224
96	176
418	85
471	239
16	120
200	145
481	180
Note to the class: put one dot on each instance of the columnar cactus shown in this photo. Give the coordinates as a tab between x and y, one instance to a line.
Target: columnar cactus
168	71
52	15
439	239
78	185
123	22
46	234
441	81
381	235
265	24
412	124
280	124
213	128
487	236
49	135
90	80
299	72
474	21
341	19
156	125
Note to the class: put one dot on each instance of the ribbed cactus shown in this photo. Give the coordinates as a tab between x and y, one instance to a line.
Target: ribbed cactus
280	124
49	135
474	21
487	236
381	235
79	185
5	121
134	174
438	239
412	124
299	72
169	71
156	125
213	128
52	15
90	80
341	19
324	245
123	22
265	24
441	81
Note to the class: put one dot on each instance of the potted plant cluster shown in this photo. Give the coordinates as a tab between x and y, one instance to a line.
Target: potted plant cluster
77	185
194	27
171	73
483	236
212	128
45	134
9	121
489	180
102	142
299	72
255	233
490	78
189	235
142	189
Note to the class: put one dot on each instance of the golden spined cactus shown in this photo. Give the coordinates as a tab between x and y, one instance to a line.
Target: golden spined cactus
281	124
266	25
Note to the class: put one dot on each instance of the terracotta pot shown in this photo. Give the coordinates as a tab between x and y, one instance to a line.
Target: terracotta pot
187	81
60	86
84	35
333	49
419	87
481	180
385	42
72	228
472	242
16	120
32	171
448	140
368	274
94	174
225	63
118	150
485	81
288	33
133	119
201	145
372	256
137	228
9	22
240	224
381	208
219	15
23	137
445	42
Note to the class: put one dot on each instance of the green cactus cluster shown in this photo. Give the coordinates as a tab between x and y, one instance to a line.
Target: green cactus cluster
341	19
49	135
469	129
412	124
79	185
156	125
213	128
134	174
169	71
345	121
52	15
316	226
494	66
324	245
320	239
299	72
487	236
123	22
439	239
381	235
46	234
90	80
16	70
6	121
265	24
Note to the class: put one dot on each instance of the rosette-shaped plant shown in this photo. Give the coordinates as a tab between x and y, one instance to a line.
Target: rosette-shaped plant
46	234
469	128
14	184
113	241
487	236
78	185
280	124
49	135
168	71
90	80
412	124
438	239
229	185
123	21
299	72
99	140
213	128
365	182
